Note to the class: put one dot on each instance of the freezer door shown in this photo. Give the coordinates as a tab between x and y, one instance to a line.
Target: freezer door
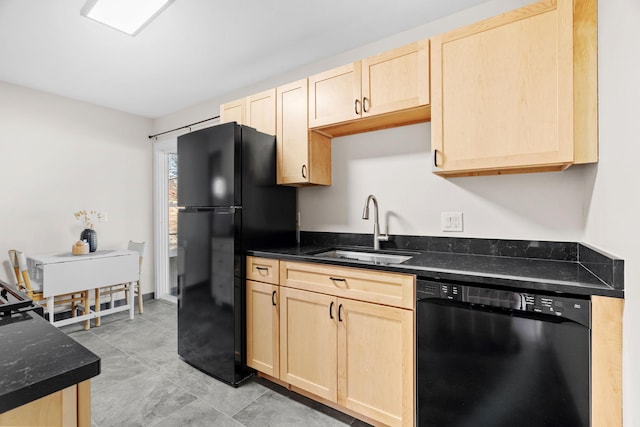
209	165
210	320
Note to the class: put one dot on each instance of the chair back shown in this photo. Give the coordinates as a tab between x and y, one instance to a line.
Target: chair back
139	247
19	263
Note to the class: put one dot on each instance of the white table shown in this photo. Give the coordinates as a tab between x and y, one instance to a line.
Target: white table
64	273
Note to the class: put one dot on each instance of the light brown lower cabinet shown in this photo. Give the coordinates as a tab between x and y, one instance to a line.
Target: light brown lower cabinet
343	346
357	354
65	408
263	322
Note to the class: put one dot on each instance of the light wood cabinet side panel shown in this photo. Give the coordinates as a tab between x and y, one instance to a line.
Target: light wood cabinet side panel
233	111
308	336
263	327
585	80
263	269
84	404
606	361
319	159
46	411
261	111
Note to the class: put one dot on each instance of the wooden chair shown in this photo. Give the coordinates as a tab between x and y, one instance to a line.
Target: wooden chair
139	247
77	300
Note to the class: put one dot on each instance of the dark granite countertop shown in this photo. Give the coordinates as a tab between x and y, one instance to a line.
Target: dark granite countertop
549	267
37	359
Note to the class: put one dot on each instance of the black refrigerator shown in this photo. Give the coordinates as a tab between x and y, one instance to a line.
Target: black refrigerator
229	202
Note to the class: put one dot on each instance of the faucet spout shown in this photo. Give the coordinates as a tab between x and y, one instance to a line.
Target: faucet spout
377	237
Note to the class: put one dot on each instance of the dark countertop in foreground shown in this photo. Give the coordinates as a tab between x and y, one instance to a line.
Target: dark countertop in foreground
37	359
547	275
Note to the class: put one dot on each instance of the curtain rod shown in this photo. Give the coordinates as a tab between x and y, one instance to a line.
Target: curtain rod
183	127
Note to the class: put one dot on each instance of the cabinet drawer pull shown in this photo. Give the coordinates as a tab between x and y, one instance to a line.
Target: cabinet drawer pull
356	107
273	298
331	310
339	313
365	101
262	268
337	279
304	171
435	157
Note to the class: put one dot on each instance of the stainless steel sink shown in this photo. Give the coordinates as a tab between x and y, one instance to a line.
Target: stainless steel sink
376	258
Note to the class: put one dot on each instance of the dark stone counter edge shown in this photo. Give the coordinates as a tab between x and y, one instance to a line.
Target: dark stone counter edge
608	268
30	392
44	388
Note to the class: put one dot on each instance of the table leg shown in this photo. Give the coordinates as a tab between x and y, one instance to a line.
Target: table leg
97	306
85	301
50	309
130	300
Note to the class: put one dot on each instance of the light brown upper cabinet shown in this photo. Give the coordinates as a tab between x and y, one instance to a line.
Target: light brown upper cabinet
386	90
261	111
304	157
234	111
257	111
516	92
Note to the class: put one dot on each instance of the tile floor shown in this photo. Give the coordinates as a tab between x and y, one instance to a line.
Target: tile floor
143	382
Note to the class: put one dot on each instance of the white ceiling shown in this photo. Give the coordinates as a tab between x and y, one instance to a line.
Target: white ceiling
194	51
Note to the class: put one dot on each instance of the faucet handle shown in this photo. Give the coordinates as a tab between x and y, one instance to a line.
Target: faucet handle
384	237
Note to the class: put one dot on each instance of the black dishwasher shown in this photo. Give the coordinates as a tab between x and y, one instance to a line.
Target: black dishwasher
493	357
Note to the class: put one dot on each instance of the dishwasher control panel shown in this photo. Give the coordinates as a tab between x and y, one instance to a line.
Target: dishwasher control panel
577	309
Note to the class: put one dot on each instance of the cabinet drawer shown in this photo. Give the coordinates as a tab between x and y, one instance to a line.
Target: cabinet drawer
263	270
360	284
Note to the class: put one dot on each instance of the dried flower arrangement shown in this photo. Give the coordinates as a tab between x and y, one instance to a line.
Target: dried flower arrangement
88	218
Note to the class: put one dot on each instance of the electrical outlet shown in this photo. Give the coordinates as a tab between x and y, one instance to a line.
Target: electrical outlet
451	221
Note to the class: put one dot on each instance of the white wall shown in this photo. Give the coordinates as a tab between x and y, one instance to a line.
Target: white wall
597	204
395	165
60	156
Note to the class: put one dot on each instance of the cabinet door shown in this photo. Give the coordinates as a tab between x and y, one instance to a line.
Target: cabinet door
292	133
233	111
308	335
334	95
263	328
261	111
396	80
502	92
376	361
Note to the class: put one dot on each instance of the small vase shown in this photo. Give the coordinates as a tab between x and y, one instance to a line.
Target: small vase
91	237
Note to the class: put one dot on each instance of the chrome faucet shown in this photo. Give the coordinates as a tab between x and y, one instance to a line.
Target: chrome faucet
377	237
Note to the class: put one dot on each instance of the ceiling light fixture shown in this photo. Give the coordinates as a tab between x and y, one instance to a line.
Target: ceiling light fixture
124	15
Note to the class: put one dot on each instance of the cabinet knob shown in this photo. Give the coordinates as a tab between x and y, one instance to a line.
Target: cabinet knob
304	171
356	107
365	101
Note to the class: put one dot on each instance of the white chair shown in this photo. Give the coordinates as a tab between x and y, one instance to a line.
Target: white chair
139	247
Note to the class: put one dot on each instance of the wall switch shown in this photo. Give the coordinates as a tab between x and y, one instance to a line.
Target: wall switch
451	221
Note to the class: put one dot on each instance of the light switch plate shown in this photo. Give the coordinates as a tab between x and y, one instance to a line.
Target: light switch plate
451	221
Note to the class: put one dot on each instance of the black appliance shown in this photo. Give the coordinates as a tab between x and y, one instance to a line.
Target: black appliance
492	357
229	203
